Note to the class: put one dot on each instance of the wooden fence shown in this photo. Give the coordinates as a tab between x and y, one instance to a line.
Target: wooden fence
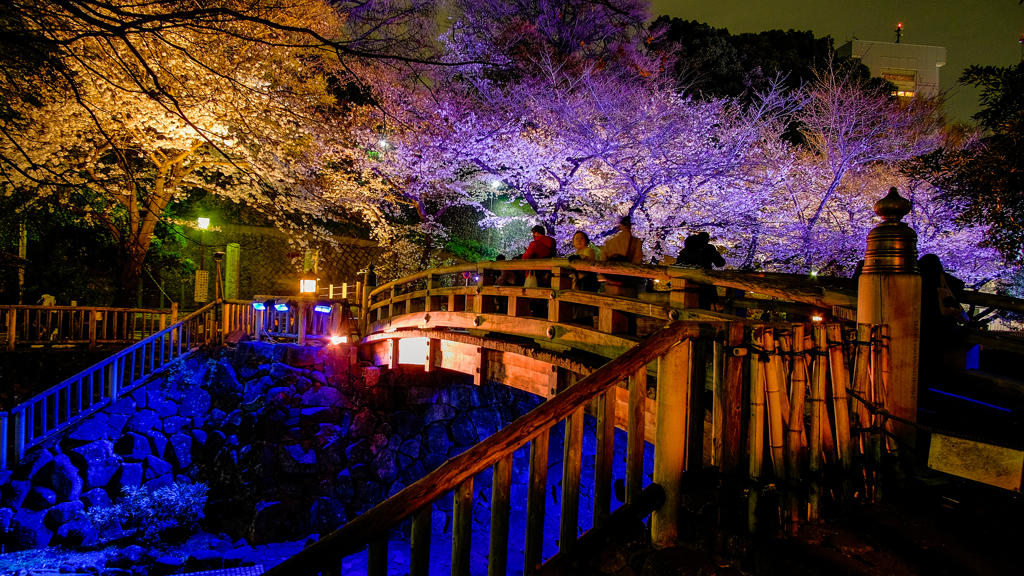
81	324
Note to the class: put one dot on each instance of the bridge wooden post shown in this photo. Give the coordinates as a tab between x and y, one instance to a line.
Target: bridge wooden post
670	447
612	321
12	326
433	347
559	311
684	294
391	302
431	303
889	292
483	304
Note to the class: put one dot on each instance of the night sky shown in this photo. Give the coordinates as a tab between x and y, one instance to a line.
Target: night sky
972	31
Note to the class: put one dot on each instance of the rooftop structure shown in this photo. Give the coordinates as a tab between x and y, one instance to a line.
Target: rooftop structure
913	68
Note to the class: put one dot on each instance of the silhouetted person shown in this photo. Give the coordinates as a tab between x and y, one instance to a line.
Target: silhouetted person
941	317
697	251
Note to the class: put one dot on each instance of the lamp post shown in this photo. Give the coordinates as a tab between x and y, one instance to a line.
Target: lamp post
203	224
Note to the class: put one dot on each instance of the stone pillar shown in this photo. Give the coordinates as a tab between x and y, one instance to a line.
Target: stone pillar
889	292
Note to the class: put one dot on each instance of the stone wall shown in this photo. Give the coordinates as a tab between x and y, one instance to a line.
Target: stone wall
291	441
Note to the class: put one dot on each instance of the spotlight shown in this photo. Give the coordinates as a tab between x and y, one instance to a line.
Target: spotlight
322	308
281	306
335	340
261	304
817	318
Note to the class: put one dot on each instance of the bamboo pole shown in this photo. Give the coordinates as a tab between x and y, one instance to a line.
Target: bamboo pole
378	556
814	441
840	382
878	396
757	425
795	431
732	403
774	397
862	385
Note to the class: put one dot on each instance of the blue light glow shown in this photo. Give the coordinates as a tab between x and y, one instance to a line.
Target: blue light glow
281	307
971	400
322	308
258	306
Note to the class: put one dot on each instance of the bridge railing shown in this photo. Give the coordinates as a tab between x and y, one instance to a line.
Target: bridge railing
81	324
763	377
468	297
45	415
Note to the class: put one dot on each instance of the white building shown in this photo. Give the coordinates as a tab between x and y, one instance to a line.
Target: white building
913	68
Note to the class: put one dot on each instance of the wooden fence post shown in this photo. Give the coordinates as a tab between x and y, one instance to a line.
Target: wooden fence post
12	326
670	451
889	292
302	309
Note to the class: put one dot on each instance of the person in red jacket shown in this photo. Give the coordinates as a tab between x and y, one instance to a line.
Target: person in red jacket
542	246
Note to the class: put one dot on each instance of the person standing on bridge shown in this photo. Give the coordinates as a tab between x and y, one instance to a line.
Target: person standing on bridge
623	247
699	252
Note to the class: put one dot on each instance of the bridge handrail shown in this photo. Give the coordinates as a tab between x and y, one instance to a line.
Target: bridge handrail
787	286
456	472
83	394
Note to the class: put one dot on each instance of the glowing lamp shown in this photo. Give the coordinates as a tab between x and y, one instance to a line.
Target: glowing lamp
322	308
335	340
259	306
203	223
495	184
814	272
281	306
817	318
307	284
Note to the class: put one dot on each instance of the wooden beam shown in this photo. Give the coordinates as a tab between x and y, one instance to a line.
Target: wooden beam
670	446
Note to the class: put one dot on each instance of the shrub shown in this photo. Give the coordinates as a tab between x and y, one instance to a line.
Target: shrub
146	515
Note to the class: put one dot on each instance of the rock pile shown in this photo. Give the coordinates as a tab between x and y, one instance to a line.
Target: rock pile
291	441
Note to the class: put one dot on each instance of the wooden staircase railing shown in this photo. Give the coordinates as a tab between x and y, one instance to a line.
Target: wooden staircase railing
45	415
457	474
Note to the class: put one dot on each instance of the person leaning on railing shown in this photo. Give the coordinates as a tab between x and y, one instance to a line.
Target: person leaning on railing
585	281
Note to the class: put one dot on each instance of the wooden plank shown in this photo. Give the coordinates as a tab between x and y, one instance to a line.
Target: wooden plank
589	340
501	499
571	467
462	528
536	497
732	404
992	465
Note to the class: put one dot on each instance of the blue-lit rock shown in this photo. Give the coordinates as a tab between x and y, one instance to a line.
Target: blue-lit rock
130	474
133	447
63	513
64	479
40	498
181	450
194	402
96	498
28	529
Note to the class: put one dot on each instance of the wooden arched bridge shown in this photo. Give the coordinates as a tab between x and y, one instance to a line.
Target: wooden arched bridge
832	387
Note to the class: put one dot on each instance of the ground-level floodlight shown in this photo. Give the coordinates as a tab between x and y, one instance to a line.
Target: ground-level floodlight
281	306
261	304
322	308
335	340
203	223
